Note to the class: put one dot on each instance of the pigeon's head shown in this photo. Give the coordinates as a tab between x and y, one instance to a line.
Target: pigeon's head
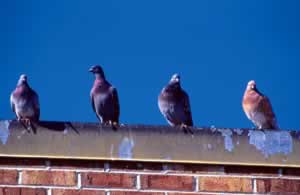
22	79
251	85
175	79
97	70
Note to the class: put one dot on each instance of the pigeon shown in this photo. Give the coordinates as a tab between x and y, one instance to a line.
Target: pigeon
258	108
25	104
104	99
174	104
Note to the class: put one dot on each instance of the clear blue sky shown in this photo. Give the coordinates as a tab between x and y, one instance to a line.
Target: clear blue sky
216	46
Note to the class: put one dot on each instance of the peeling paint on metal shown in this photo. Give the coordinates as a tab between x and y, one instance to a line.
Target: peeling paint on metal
213	128
228	143
4	131
209	147
66	130
168	158
126	148
270	142
112	147
238	131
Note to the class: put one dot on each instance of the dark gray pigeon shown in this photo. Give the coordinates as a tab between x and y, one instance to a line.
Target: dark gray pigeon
104	98
174	104
25	104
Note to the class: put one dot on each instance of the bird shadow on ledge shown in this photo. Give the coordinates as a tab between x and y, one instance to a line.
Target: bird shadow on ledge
58	126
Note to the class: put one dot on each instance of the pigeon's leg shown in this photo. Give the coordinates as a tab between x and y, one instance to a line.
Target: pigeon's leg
107	123
31	126
22	122
28	124
186	129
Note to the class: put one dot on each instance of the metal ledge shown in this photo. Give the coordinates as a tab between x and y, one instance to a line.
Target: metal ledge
62	140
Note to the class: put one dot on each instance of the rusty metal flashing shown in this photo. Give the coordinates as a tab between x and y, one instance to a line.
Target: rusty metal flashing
90	141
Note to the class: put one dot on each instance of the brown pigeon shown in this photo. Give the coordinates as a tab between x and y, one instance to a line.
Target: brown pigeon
104	98
258	108
25	104
174	104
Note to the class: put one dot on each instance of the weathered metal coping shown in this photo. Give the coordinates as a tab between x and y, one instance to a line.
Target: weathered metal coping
62	140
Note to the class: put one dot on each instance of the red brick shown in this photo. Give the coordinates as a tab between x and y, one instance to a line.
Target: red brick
8	177
190	194
57	178
225	184
77	192
163	182
22	191
108	180
136	193
278	186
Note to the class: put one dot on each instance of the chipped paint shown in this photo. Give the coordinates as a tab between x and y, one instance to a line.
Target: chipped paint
126	148
228	143
168	158
66	130
112	147
270	142
209	147
151	144
238	131
4	131
213	128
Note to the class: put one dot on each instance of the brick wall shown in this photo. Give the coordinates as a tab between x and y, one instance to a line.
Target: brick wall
74	177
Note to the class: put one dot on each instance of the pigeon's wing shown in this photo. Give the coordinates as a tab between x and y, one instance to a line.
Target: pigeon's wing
12	104
116	104
187	109
92	101
36	104
161	102
267	109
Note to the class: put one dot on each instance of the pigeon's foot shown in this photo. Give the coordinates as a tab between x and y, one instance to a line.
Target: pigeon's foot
114	125
186	129
23	123
30	126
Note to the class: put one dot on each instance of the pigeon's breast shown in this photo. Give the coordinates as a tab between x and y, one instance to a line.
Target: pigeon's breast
251	101
25	108
172	108
104	104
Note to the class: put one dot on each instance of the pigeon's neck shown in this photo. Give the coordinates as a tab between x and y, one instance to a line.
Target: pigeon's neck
254	91
22	88
23	84
100	77
99	81
173	86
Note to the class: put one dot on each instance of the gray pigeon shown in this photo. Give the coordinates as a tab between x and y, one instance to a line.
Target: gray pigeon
104	98
174	104
25	104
